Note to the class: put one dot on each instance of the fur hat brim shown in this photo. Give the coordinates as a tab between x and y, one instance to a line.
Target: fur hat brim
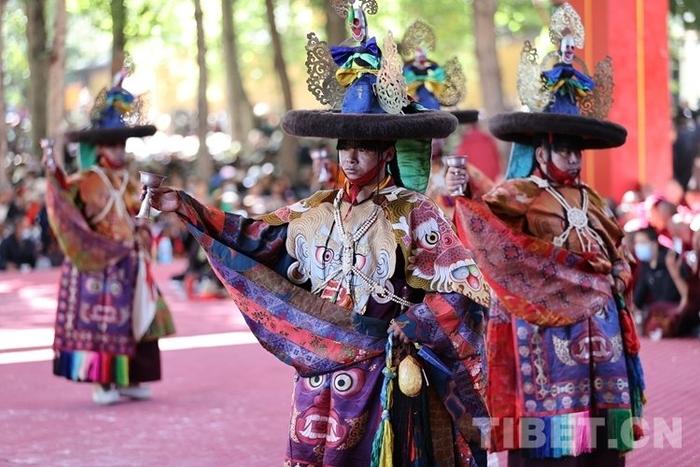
362	127
525	128
109	136
466	116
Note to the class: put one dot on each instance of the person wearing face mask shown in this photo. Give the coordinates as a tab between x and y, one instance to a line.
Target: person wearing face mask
365	290
655	293
110	312
563	353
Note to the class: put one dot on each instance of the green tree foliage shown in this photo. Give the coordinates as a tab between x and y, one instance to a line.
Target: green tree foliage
166	30
688	11
16	66
518	18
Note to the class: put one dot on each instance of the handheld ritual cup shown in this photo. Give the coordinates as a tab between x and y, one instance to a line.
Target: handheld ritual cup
49	158
150	181
456	162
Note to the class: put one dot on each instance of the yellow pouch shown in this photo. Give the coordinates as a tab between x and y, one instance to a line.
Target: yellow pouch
410	376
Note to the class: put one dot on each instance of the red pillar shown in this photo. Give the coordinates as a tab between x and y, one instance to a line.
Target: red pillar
634	34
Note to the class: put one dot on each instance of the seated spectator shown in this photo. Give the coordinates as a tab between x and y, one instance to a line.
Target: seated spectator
18	248
17	203
655	292
685	271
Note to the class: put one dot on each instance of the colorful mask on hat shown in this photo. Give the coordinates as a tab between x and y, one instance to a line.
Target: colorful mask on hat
554	85
429	84
115	117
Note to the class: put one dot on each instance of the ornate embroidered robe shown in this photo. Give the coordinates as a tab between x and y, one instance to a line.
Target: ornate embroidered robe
318	282
110	312
562	345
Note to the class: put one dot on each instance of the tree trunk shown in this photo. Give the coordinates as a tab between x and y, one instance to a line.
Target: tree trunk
335	25
280	65
486	56
240	110
37	55
287	155
57	64
204	161
4	182
118	37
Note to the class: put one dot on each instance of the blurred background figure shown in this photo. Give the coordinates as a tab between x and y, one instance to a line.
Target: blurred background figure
19	249
482	150
110	312
685	147
655	292
661	213
686	275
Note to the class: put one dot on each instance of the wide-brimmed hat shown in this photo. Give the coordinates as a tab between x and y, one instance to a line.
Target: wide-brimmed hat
115	117
421	125
564	101
466	116
365	88
110	136
530	127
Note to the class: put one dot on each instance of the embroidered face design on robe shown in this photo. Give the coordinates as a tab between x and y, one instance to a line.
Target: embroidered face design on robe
437	255
331	411
327	259
105	299
592	343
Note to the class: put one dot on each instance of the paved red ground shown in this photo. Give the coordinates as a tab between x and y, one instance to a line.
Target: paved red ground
228	404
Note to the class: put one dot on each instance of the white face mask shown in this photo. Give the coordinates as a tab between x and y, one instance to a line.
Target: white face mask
643	252
567	49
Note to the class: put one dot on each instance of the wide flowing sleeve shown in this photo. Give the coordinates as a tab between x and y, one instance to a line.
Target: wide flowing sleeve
301	329
620	257
257	239
85	248
479	183
514	264
510	200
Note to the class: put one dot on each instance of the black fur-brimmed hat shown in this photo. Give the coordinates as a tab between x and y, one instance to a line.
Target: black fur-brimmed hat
423	125
110	136
529	127
466	116
115	116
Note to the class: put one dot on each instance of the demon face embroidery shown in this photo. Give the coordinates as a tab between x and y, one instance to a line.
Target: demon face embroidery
332	410
326	258
437	255
105	299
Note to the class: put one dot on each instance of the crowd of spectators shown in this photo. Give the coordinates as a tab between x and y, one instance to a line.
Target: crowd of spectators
663	233
26	240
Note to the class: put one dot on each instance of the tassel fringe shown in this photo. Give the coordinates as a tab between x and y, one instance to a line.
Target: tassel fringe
383	443
620	430
570	434
92	367
564	435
